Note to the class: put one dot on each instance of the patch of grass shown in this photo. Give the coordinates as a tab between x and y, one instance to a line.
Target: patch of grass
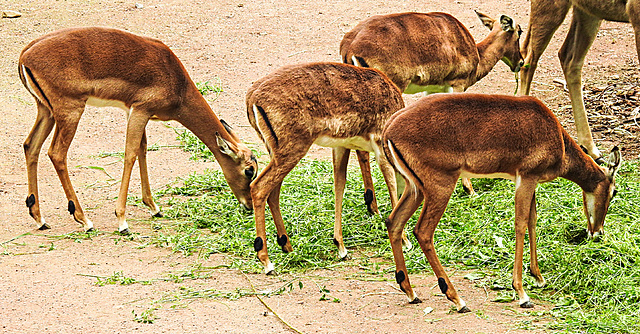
594	285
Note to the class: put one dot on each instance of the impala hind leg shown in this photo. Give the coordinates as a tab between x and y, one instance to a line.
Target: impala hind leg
369	192
268	181
407	205
135	132
437	194
147	197
66	126
340	161
33	144
582	33
389	174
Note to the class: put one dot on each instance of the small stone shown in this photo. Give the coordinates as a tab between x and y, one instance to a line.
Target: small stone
139	6
10	14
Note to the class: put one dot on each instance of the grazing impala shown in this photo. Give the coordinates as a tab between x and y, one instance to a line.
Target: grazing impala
68	69
330	104
431	52
546	16
446	136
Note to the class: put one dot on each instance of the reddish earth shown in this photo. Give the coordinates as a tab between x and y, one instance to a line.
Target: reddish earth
46	281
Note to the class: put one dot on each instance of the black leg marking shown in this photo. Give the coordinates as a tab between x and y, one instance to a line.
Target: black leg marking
400	277
443	285
335	242
282	240
31	200
258	244
71	207
368	199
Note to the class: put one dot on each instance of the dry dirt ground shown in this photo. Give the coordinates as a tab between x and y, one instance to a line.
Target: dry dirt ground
44	286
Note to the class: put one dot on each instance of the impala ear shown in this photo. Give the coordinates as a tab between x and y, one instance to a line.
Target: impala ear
506	23
225	147
486	20
613	164
229	129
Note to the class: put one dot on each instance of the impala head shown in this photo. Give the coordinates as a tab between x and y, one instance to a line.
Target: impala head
510	33
239	166
597	202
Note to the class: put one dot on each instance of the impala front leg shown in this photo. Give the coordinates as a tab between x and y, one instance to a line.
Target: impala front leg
274	206
533	249
135	131
340	161
147	197
525	190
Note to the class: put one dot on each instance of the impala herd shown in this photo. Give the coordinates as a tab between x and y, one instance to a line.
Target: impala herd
353	105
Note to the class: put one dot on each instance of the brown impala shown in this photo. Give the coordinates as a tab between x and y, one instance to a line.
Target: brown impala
443	137
431	52
68	69
329	104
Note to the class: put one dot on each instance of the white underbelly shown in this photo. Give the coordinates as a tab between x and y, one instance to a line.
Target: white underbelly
352	143
428	89
470	175
97	102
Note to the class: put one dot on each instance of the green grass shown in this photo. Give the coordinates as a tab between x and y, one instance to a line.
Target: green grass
595	286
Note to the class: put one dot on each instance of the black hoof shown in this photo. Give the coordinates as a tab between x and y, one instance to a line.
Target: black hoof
346	257
464	309
159	214
271	273
44	227
416	301
90	230
124	232
527	304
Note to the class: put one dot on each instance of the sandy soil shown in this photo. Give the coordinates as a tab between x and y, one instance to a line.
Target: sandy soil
46	282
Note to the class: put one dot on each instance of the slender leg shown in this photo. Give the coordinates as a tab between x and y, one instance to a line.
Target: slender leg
274	205
389	175
407	205
369	192
633	9
262	187
147	198
582	33
32	146
437	194
535	270
340	161
545	18
525	190
135	133
66	125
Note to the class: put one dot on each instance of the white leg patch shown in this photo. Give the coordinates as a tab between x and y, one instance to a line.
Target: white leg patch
268	267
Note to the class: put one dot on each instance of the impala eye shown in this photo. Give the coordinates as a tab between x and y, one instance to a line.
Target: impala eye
250	173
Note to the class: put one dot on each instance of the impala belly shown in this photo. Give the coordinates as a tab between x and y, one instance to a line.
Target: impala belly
352	143
470	175
97	102
428	89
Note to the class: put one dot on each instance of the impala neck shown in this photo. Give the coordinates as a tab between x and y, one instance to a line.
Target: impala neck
490	52
580	168
197	116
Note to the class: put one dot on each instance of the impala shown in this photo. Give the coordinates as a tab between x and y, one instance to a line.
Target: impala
546	16
430	52
330	104
68	69
446	136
